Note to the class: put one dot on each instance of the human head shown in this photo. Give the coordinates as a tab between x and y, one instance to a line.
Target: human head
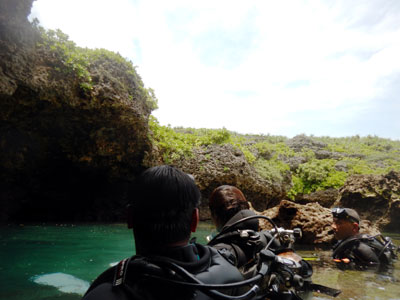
345	222
164	208
226	201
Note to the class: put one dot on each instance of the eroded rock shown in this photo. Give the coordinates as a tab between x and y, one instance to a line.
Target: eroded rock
325	198
216	165
66	151
314	220
375	197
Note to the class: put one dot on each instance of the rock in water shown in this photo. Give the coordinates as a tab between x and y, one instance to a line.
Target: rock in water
63	282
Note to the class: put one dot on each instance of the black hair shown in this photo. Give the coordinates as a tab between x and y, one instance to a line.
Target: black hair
163	205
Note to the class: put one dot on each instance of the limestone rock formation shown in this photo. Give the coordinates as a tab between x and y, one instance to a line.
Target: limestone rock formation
375	197
325	198
313	219
66	151
299	142
216	165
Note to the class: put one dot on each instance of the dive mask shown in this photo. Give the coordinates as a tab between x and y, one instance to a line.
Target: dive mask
346	214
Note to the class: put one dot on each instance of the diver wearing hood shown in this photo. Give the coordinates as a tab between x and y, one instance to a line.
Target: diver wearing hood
163	214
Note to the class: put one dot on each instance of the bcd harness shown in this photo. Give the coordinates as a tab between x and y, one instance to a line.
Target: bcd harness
382	246
245	243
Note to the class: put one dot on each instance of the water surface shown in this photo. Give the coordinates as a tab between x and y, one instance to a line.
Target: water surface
59	261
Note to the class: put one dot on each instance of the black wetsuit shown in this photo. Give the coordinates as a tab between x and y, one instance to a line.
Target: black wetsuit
356	248
242	242
204	262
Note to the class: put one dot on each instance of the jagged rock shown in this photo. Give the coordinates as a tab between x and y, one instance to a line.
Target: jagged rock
341	166
295	161
325	198
224	164
325	154
66	153
375	197
301	141
314	220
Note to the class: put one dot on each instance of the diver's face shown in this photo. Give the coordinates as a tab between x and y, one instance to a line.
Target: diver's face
344	228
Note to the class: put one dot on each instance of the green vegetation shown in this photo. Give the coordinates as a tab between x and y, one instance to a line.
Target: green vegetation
274	160
78	61
316	175
178	143
327	163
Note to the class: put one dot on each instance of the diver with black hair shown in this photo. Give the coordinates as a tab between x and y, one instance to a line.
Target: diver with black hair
354	250
163	213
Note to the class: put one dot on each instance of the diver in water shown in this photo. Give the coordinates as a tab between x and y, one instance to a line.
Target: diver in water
163	213
228	205
359	251
241	241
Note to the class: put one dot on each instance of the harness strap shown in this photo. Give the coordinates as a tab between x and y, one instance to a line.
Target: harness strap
120	272
342	245
224	237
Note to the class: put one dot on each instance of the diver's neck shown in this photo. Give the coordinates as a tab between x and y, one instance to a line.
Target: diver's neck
158	249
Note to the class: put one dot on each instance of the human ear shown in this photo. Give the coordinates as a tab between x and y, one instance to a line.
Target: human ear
195	220
356	227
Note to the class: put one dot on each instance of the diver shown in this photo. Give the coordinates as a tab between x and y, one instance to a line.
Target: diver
228	205
354	250
240	239
163	213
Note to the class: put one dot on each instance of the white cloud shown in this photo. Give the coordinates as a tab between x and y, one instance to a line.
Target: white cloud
248	66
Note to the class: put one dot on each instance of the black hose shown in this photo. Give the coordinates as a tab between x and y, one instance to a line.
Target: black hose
208	289
245	219
183	272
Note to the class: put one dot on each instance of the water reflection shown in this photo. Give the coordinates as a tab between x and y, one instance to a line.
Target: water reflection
353	284
84	251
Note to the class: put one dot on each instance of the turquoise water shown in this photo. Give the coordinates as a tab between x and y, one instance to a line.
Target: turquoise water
354	284
58	262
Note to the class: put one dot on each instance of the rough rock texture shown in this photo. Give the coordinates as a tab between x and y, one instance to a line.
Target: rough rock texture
217	165
65	153
314	220
325	198
299	142
302	142
375	197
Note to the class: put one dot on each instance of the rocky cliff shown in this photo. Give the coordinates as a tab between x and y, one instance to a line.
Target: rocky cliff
216	165
375	197
67	149
74	133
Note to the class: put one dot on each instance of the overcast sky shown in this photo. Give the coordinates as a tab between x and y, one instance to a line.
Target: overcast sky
327	68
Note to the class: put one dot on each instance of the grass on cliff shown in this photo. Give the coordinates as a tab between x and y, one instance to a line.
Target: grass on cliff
178	143
78	61
273	158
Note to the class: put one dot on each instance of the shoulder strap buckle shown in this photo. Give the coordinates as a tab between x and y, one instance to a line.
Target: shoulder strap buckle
120	272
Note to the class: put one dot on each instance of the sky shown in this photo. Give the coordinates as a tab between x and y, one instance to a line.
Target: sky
323	68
